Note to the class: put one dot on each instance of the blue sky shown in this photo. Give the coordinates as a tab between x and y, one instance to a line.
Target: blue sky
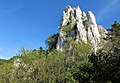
27	23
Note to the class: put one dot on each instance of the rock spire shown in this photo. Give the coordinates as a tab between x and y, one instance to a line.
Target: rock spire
77	24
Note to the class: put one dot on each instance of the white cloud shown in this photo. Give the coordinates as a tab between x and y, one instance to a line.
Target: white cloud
2	57
6	53
111	7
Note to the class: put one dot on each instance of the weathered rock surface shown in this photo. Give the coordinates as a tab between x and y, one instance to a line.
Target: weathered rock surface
79	25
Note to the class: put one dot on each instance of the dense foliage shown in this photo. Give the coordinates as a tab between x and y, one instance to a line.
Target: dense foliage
51	42
75	64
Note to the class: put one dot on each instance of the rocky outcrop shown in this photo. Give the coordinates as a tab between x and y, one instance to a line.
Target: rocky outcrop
79	25
19	62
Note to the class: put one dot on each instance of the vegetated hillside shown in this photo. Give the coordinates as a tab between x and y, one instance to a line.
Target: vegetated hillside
76	63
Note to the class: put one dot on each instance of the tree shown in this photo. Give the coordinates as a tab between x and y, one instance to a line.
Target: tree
52	41
106	63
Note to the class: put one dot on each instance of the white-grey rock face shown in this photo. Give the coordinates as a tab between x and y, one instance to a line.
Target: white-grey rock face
80	26
19	62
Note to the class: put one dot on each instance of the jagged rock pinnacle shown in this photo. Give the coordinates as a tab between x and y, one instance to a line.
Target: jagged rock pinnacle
83	26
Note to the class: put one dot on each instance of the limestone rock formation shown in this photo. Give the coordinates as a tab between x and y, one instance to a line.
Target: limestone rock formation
79	25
